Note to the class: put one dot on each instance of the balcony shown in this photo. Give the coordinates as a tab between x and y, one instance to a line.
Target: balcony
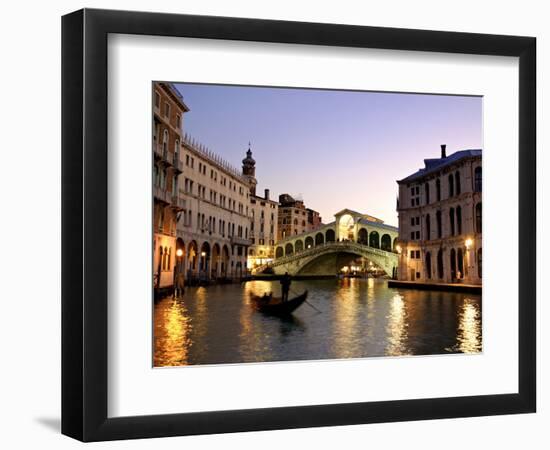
163	155
177	202
157	150
177	164
162	194
240	241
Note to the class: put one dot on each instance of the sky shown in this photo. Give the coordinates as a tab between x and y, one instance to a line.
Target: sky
335	149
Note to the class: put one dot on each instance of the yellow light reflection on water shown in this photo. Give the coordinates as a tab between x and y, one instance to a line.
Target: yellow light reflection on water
172	342
469	328
253	339
397	327
347	337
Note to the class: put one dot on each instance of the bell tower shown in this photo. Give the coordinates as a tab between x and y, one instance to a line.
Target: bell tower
249	170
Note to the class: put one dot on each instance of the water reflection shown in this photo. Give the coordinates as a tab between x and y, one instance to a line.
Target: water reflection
397	327
360	318
347	308
469	328
172	328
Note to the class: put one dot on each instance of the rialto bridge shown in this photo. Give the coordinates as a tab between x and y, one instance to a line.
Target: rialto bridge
324	251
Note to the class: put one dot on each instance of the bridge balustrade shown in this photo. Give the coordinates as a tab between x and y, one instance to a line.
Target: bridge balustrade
350	245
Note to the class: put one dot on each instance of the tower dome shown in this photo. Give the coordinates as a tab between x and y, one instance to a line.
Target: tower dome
249	170
249	161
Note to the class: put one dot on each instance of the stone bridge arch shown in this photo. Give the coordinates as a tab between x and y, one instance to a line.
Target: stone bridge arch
294	264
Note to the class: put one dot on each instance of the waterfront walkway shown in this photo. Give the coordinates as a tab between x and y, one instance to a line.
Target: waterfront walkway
452	287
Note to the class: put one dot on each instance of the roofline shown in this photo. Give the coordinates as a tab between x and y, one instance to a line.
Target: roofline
417	175
177	96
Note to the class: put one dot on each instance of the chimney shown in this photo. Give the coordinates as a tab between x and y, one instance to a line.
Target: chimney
443	151
266	194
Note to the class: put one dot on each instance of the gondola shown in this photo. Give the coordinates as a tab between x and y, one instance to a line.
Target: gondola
274	306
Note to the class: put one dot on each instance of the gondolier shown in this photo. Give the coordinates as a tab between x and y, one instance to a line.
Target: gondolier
285	286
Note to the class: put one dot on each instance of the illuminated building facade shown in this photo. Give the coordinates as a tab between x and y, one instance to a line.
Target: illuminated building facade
440	220
214	225
263	218
168	111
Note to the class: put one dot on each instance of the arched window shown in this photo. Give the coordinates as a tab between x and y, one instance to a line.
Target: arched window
374	239
299	246
438	189
451	186
363	236
175	186
156	175
477	179
169	265
279	253
164	258
458	220
453	264
460	261
161	218
319	239
330	236
478	217
176	152
479	263
452	220
428	227
289	249
440	263
438	220
162	178
428	265
427	193
309	242
457	182
386	242
165	143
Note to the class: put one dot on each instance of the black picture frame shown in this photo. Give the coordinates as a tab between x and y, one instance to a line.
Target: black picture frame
84	224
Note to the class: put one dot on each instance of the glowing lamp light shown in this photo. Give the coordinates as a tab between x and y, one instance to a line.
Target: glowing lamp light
179	252
398	248
203	254
468	242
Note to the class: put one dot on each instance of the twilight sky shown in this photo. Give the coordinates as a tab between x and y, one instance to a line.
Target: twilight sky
335	149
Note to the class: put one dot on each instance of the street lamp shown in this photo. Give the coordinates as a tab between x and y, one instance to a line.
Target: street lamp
178	288
398	249
468	243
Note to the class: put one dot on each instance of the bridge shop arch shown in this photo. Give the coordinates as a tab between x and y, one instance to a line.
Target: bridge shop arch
370	234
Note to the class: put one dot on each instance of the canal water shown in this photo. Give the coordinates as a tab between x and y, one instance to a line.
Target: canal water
359	318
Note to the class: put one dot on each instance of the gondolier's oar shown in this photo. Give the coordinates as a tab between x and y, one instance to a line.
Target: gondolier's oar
318	310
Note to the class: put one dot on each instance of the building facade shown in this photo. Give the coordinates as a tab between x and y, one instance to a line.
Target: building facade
440	220
294	218
263	218
168	111
264	213
314	220
214	224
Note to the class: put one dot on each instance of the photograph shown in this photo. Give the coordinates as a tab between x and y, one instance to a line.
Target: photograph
294	224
